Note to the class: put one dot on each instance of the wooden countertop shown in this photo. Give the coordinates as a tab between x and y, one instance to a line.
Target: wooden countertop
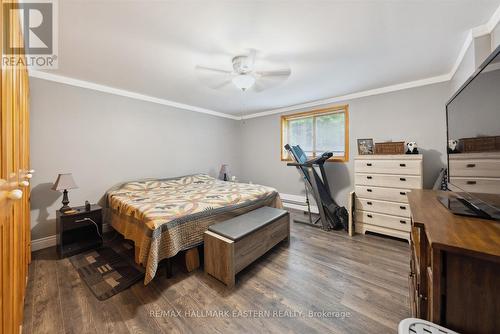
478	237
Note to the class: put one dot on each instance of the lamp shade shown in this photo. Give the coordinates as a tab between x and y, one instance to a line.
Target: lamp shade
64	181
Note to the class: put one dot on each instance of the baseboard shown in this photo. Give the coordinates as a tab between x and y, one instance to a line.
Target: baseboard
51	240
298	202
42	243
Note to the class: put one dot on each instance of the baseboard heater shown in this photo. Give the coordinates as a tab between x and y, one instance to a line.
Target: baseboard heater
298	203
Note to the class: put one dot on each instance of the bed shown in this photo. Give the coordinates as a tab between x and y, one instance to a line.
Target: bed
165	216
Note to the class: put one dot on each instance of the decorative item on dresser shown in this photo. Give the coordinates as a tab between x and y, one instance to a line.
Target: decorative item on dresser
381	183
365	146
390	148
476	172
412	147
454	266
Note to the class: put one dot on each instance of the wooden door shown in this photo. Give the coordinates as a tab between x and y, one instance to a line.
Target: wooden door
14	186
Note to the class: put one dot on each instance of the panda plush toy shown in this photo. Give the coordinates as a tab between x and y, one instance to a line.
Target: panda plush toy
453	146
412	148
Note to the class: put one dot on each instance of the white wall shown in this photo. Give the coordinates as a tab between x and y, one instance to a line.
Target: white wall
104	139
416	114
482	49
495	37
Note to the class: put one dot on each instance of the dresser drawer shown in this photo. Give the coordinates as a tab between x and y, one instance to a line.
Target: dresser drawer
384	180
390	208
383	194
378	219
475	168
477	185
404	167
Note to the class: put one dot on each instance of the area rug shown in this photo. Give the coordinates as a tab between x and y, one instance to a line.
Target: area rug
105	271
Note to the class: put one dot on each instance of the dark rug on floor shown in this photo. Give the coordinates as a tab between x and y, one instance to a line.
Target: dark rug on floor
105	271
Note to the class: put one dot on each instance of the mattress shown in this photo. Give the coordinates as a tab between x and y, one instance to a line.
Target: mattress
165	216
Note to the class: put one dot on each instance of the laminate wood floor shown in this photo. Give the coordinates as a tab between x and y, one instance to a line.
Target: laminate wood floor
324	282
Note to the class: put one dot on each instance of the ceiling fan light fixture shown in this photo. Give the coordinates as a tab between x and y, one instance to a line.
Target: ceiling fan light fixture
244	81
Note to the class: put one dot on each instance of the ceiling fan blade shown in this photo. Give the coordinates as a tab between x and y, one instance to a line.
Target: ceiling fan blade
259	86
275	73
222	85
211	69
268	81
251	57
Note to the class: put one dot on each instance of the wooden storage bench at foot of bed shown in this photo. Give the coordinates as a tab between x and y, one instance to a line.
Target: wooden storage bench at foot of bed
233	244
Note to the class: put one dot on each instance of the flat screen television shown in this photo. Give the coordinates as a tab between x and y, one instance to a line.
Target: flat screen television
473	122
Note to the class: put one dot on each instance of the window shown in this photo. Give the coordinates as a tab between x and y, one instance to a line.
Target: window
317	131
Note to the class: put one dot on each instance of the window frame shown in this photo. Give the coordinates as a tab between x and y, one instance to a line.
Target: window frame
314	113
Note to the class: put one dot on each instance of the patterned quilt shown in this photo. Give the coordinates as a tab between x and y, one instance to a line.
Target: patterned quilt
165	216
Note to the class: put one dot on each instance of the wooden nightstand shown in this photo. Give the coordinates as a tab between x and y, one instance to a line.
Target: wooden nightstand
76	232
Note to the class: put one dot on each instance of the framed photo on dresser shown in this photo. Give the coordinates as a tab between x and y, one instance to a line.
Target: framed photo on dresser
365	146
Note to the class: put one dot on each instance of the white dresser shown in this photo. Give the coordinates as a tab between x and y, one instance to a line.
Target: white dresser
381	184
476	172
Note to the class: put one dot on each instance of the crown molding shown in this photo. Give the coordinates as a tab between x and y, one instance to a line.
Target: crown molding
357	95
121	92
493	22
467	43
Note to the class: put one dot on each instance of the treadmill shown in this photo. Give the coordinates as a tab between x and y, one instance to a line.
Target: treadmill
331	215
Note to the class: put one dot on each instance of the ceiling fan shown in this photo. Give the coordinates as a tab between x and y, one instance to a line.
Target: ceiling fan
247	72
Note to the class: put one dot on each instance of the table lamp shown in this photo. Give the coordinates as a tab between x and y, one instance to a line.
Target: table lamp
223	173
64	182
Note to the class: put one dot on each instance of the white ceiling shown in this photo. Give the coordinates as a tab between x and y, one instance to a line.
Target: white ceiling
332	47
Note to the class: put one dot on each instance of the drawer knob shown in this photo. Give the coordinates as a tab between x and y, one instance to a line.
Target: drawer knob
369	177
402	221
402	179
402	193
369	190
471	165
28	176
369	164
369	203
402	207
471	182
24	183
402	165
15	194
369	216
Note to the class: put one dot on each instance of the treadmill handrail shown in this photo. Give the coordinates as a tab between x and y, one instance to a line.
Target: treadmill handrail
321	159
296	164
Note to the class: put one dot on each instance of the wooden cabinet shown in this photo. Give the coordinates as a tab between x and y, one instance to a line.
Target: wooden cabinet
454	277
14	188
382	183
